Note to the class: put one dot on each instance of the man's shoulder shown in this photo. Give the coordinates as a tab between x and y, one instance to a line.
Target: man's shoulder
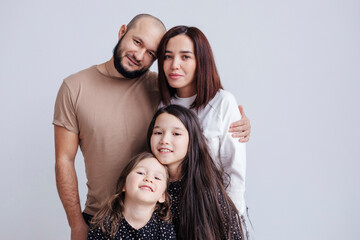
149	78
149	75
80	76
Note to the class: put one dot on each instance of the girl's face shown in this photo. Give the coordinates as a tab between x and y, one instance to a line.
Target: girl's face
147	182
180	64
169	141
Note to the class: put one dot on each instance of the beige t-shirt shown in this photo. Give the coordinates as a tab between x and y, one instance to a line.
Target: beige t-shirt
111	117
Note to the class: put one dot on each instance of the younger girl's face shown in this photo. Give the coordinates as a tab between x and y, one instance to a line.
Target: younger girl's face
169	141
146	182
180	65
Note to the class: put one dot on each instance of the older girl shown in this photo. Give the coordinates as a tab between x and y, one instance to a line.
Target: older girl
201	207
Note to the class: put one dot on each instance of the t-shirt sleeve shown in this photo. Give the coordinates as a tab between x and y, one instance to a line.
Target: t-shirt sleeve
233	153
64	111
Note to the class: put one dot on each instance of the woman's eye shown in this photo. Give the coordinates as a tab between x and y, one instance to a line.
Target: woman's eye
177	134
186	57
157	133
167	57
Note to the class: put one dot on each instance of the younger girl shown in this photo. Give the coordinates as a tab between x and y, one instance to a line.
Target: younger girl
140	207
201	207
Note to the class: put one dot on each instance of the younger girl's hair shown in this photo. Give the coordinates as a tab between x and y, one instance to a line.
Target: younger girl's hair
206	211
110	215
206	76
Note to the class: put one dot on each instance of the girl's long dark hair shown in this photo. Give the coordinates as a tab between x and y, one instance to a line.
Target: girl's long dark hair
110	215
206	211
206	75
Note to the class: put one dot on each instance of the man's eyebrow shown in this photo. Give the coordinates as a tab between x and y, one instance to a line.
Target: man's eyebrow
138	38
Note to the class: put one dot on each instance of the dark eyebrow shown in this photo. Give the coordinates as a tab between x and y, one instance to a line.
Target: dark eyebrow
184	51
139	39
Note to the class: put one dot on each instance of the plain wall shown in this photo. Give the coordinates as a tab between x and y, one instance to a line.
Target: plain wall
294	65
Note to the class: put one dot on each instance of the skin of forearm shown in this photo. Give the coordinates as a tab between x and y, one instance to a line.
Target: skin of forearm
67	186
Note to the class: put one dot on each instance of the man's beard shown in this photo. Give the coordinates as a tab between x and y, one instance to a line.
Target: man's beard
120	67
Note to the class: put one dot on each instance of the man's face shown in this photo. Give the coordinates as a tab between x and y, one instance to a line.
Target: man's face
136	49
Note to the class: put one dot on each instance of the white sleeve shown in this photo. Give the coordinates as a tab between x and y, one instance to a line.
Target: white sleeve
233	153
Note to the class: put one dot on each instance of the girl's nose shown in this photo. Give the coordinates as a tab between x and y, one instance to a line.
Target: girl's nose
147	179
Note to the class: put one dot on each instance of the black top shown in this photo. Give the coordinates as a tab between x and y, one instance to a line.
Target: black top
155	229
174	192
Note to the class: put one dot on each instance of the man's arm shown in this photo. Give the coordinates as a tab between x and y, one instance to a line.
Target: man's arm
66	145
241	129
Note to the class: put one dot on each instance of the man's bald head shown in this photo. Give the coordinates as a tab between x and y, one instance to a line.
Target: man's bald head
143	16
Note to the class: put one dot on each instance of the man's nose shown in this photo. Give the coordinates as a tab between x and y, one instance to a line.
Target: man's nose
139	54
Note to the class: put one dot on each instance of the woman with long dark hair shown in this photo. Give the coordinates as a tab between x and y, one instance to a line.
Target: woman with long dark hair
201	207
188	77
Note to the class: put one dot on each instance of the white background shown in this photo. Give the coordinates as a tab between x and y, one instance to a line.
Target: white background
294	65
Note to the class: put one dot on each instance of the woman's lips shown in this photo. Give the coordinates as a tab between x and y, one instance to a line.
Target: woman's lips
175	76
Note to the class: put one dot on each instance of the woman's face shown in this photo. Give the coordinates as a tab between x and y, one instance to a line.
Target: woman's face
180	65
169	141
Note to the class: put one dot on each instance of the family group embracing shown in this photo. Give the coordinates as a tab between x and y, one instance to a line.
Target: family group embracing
164	153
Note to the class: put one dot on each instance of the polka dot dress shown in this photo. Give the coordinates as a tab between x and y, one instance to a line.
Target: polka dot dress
174	192
155	229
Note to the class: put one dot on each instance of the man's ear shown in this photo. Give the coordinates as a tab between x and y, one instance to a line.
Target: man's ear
122	31
162	199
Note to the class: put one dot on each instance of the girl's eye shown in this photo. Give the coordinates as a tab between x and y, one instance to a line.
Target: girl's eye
140	173
157	133
157	178
176	134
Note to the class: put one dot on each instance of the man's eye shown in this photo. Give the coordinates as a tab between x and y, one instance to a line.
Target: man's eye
136	42
152	54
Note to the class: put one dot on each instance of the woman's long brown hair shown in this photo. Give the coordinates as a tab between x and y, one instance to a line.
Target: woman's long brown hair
206	75
110	215
206	211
